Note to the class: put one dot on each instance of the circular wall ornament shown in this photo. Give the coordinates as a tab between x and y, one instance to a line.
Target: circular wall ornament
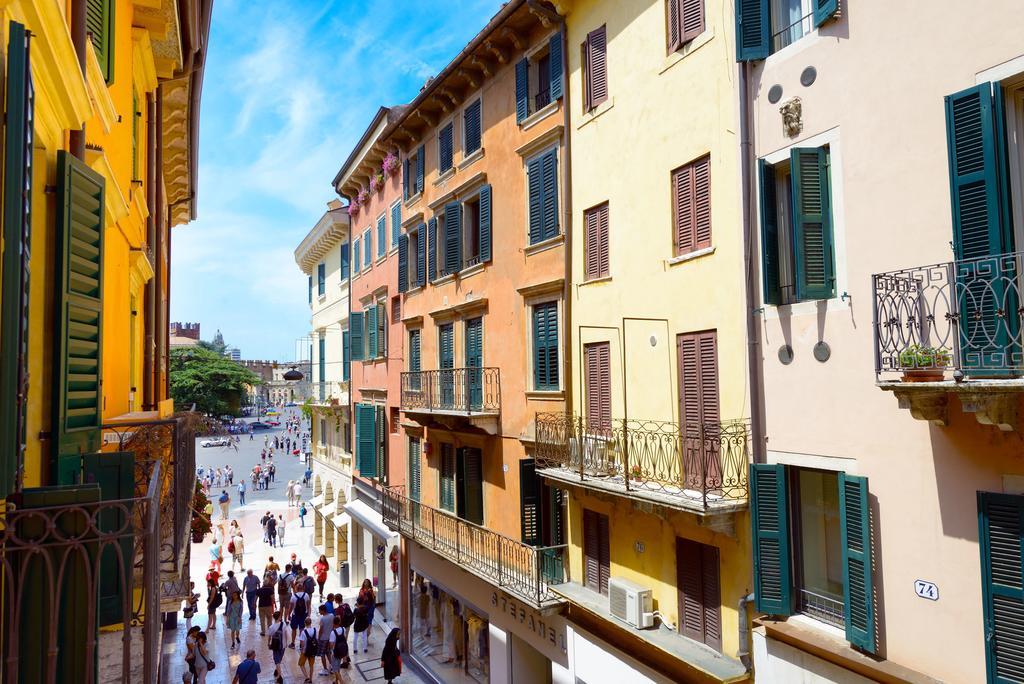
822	352
775	93
786	354
654	341
808	76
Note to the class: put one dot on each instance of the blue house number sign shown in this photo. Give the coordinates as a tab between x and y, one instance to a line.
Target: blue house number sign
926	590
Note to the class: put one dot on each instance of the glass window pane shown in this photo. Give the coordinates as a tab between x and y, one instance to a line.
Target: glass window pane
820	549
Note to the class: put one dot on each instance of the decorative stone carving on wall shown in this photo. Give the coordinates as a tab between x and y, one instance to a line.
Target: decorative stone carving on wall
792	117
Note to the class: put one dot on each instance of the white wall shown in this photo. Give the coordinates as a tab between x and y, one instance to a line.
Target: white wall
779	663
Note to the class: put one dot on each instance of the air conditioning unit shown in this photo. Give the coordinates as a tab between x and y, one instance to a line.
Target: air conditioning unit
630	603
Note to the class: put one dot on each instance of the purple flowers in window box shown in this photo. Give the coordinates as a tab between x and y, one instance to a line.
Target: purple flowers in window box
353	207
363	197
377	182
390	164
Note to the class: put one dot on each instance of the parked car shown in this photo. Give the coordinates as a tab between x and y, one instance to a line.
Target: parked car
215	442
259	426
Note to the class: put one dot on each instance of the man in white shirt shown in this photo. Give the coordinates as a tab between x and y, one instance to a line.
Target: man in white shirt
297	492
339	654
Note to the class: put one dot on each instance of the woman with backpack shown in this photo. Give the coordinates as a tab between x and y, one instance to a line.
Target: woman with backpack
213	601
320	569
391	657
276	642
233	618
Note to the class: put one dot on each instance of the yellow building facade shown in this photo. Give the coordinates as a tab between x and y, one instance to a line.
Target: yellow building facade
653	455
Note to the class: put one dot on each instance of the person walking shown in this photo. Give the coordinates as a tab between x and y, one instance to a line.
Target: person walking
202	658
233	618
213	601
272	470
291	494
390	657
265	604
276	643
300	612
320	569
272	529
263	524
248	670
297	491
308	647
284	591
224	500
190	653
325	623
272	570
237	550
302	513
337	641
308	584
216	558
280	528
241	492
251	584
361	625
369	598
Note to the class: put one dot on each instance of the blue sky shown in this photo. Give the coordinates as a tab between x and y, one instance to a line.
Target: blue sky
287	93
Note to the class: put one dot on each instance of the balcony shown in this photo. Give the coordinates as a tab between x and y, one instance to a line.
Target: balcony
334	457
952	328
696	468
57	542
454	398
328	393
528	572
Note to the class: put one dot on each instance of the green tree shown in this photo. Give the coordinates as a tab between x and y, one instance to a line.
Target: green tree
211	381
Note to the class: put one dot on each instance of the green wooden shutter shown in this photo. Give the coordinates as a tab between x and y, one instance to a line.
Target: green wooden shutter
529	501
445	147
370	313
382	330
99	23
380	451
545	346
555	65
355	326
414	468
17	238
421	255
770	536
345	261
114	472
522	89
484	224
346	353
322	362
812	224
396	223
753	30
446	360
1001	541
405	178
432	249
414	351
78	331
382	236
403	263
824	10
452	238
356	266
470	494
446	495
549	163
471	121
366	440
310	288
367	249
474	352
770	272
321	279
535	188
858	587
421	156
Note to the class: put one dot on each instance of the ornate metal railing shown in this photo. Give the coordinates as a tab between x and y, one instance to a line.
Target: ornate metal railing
960	315
526	571
455	390
704	464
59	565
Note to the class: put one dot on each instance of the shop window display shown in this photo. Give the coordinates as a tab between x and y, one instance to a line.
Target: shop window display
449	636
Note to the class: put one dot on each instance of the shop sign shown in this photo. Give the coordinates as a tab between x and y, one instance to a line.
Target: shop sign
530	618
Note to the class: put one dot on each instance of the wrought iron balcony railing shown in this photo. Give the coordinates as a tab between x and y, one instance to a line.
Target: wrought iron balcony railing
63	562
529	572
700	466
452	390
962	316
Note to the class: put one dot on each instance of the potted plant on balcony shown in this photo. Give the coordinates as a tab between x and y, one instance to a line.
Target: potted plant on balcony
921	363
390	164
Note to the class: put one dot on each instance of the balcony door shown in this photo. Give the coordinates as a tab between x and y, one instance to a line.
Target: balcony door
699	419
475	362
1001	518
445	362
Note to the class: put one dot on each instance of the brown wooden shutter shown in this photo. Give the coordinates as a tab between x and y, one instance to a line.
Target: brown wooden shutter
595	61
691	189
672	23
591	551
599	390
697	584
596	263
699	415
603	266
691	18
604	553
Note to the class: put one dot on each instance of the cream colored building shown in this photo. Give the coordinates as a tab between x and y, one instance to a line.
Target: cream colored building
323	255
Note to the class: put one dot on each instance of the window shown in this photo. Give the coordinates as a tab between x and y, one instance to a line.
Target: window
367	249
697	361
595	69
323	432
684	20
375	317
366	440
597	368
446	479
382	240
1001	534
545	347
445	147
396	309
596	555
542	189
539	78
396	223
355	256
414	379
99	24
310	289
412	173
797	260
346	355
461	482
393	419
766	26
700	596
595	222
472	127
412	259
321	279
813	547
691	206
345	259
415	479
471	232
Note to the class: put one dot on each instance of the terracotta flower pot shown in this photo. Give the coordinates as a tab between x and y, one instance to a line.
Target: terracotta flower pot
923	375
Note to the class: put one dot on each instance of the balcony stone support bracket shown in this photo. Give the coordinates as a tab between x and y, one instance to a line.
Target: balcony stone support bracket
993	409
993	402
929	406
